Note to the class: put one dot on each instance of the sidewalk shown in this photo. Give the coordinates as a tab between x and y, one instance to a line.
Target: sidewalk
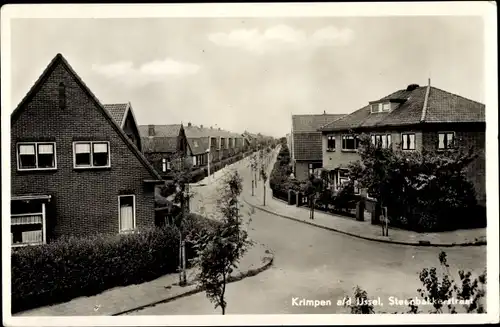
120	300
362	229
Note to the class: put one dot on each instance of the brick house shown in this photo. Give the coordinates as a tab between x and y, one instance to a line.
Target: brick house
414	118
306	151
161	142
123	114
74	170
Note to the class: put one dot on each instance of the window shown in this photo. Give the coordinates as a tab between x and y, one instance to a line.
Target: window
126	213
194	160
446	140
91	154
36	156
331	143
311	169
382	140
27	223
349	142
164	165
408	141
380	107
195	143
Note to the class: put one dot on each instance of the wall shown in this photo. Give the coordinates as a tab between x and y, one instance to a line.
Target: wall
337	158
85	201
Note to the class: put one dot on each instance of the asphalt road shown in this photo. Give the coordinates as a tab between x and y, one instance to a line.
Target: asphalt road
315	264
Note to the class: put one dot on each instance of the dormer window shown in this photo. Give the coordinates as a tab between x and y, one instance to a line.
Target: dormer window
380	107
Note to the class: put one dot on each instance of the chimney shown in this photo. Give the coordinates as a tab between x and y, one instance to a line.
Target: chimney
201	126
324	112
189	124
429	82
211	127
151	130
219	128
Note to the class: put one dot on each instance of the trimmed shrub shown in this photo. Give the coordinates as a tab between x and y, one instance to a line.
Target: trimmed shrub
74	267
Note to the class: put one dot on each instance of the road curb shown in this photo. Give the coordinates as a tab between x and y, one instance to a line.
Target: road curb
480	243
242	275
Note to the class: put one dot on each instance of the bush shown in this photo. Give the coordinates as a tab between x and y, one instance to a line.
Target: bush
426	191
74	267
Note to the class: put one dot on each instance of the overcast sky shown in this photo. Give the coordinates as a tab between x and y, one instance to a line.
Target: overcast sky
252	74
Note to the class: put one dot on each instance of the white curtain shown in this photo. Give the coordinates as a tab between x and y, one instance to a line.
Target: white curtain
46	148
405	141
389	141
441	141
27	149
32	236
100	148
412	141
82	148
384	141
126	217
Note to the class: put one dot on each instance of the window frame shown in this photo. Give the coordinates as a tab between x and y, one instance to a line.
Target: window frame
120	231
43	228
310	169
355	139
91	166
446	148
414	141
331	137
388	140
35	144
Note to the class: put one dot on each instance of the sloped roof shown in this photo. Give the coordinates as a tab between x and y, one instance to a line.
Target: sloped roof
311	123
60	60
441	107
117	111
164	140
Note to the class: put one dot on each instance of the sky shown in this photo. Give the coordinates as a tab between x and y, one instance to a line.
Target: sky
252	73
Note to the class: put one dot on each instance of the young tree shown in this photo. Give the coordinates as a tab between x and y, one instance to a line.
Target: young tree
312	190
253	169
181	175
263	174
219	251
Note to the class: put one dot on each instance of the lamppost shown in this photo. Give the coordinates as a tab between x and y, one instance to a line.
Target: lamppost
208	159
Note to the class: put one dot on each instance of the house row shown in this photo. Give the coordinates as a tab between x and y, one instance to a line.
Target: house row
80	167
163	144
414	118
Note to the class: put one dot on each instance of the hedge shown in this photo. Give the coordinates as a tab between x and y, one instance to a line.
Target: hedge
74	267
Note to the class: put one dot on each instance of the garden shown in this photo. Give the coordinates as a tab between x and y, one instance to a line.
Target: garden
422	191
73	267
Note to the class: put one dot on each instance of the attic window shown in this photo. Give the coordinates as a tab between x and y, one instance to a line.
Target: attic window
380	107
62	95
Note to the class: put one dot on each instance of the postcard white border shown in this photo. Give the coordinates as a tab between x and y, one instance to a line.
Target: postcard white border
482	8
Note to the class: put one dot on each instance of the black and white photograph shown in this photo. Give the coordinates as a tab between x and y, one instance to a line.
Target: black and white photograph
228	164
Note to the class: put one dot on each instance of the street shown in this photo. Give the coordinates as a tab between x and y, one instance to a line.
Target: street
314	264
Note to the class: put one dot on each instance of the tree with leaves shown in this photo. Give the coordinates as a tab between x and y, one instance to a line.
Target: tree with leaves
421	190
219	251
